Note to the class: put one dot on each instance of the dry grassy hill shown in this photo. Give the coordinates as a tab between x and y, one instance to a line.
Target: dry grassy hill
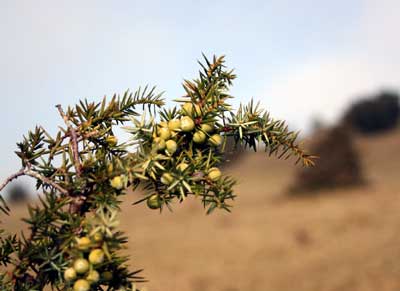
345	240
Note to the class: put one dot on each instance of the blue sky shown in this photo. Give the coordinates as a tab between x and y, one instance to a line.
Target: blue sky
300	58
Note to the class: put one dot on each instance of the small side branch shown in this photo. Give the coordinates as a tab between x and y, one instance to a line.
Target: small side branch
45	180
12	177
29	172
74	141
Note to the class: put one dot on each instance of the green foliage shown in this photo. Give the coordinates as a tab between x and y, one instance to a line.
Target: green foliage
83	171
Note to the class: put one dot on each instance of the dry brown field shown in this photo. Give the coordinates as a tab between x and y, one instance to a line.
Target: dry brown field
343	239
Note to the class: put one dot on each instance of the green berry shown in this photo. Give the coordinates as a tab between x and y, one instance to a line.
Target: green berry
215	140
83	243
187	124
96	256
153	202
199	137
81	266
98	237
171	146
81	285
207	127
214	174
174	124
93	276
70	274
167	178
164	133
118	182
187	108
190	109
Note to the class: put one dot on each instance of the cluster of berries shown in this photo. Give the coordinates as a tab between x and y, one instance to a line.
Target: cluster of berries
166	139
167	132
83	273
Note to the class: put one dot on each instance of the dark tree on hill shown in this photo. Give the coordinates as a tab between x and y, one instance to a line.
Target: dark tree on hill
374	114
338	164
17	194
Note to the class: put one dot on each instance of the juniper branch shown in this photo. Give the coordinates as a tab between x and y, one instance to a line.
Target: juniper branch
172	159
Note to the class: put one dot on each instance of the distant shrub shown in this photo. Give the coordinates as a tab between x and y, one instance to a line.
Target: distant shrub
338	164
374	114
17	194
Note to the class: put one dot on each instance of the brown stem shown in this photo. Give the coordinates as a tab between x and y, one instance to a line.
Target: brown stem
29	172
74	141
77	201
81	137
12	177
45	180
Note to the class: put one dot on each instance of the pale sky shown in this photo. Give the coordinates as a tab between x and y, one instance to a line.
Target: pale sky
301	58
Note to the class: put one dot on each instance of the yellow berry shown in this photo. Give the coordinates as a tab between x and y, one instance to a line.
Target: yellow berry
83	243
189	109
81	285
182	166
118	182
81	266
167	178
214	174
153	202
187	124
199	137
112	140
174	124
70	274
159	143
164	133
93	276
207	127
96	256
215	140
98	237
171	146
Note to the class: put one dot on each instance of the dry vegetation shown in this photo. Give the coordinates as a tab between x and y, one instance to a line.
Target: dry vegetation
336	240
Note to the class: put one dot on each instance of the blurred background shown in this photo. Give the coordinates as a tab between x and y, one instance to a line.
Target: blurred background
330	68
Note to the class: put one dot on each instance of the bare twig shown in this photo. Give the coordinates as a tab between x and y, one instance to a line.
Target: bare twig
45	180
74	141
29	172
81	136
12	177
